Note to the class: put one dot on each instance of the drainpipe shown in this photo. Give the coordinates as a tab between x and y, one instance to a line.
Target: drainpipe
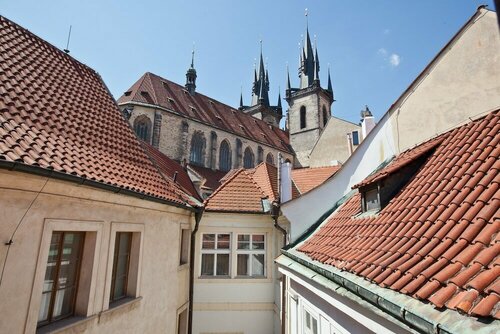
275	213
197	217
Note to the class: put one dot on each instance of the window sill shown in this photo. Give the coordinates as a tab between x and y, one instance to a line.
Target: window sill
119	307
76	324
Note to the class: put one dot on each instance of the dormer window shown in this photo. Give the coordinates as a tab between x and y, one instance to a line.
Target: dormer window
355	137
370	199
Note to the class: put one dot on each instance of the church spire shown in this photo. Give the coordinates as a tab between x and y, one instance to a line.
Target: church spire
261	83
330	88
191	76
307	66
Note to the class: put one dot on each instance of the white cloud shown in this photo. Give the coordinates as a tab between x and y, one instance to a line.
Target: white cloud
382	52
394	60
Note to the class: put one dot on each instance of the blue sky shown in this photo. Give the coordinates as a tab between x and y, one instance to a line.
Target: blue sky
375	48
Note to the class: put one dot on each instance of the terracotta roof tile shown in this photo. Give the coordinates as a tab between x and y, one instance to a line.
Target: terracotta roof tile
155	90
306	179
213	178
245	190
437	239
57	114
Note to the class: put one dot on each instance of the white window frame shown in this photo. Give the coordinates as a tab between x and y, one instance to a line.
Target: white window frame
251	252
314	317
216	252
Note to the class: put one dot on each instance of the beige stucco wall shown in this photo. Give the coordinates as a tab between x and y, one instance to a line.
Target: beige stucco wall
177	145
463	83
235	305
332	144
162	287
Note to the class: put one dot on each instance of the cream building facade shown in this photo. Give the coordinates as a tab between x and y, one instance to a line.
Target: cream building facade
35	207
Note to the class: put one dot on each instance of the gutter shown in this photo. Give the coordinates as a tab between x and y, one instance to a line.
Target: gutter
403	308
22	167
197	216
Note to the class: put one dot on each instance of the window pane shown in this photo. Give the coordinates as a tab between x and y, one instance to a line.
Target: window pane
222	264
258	265
120	265
207	264
119	291
208	241
61	290
63	303
371	199
258	241
185	240
43	314
243	264
223	241
243	241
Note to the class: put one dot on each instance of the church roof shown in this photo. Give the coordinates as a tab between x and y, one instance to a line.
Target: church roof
437	239
58	118
213	178
154	90
306	179
172	169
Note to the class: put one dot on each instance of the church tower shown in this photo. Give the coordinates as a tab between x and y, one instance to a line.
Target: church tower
309	105
191	77
260	107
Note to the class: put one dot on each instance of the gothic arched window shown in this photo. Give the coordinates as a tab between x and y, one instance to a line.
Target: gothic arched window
224	156
142	128
302	117
270	158
325	116
239	147
248	158
260	155
197	155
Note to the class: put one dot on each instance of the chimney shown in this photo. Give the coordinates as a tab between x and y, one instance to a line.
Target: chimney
367	122
349	143
286	182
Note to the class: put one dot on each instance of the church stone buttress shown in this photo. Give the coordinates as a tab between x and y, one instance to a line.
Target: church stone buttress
309	105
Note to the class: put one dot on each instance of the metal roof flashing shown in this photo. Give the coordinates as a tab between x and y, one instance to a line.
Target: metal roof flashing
402	309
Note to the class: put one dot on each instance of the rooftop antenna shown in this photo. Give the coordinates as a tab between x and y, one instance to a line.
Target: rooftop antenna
67	43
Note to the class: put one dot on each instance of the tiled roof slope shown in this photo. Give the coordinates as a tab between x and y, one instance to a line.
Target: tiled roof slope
213	178
244	190
57	114
172	169
437	240
306	179
155	90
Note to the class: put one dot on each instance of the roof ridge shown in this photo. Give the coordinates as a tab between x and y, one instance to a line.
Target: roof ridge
255	183
40	39
215	100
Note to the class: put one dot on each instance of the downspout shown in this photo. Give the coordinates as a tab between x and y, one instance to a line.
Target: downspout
275	213
197	217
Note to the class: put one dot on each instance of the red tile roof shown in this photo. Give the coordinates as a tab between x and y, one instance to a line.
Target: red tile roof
155	90
437	240
306	179
213	178
244	190
171	169
57	114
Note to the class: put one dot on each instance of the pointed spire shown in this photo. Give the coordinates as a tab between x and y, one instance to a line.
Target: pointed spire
288	86
279	98
241	97
191	76
330	88
316	58
192	57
